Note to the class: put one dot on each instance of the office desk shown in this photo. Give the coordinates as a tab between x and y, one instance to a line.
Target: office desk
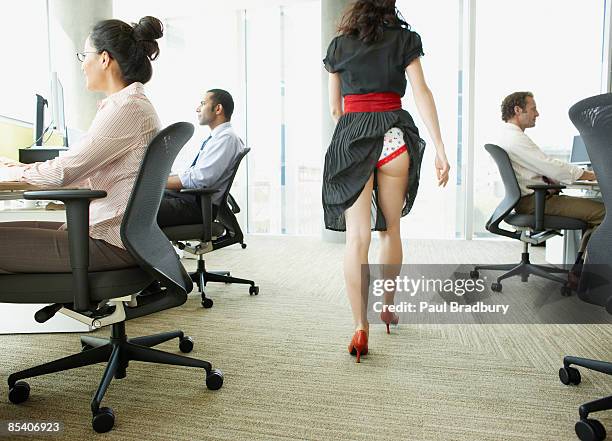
18	318
584	185
563	250
14	190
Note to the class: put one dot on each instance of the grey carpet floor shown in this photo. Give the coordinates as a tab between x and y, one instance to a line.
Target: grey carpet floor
288	375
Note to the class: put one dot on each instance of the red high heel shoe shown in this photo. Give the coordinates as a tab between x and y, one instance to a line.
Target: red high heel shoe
359	344
389	318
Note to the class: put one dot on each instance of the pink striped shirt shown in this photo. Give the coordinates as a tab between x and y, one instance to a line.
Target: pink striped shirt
107	158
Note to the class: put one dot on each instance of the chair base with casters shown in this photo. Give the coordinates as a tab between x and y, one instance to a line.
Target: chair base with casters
117	352
587	429
201	277
524	269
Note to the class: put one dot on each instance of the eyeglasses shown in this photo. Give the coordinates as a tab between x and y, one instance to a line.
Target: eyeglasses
81	55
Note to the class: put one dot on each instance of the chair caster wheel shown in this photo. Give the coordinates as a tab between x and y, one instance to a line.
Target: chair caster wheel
207	303
254	290
103	420
19	393
569	375
590	430
214	380
474	274
496	286
566	291
186	345
243	245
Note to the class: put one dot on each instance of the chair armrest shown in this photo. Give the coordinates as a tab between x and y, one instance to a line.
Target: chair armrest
209	191
541	190
206	204
537	187
233	204
77	219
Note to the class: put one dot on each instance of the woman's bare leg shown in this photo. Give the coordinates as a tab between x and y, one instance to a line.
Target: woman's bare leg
358	238
392	183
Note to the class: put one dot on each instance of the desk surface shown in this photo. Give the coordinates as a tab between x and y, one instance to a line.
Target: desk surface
17	186
585	185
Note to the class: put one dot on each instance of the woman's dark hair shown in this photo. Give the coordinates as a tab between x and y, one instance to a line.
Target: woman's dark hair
511	101
366	19
132	46
223	97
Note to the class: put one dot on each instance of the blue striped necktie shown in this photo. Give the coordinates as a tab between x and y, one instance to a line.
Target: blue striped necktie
201	148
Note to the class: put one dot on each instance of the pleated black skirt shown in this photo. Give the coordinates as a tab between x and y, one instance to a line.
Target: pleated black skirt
351	159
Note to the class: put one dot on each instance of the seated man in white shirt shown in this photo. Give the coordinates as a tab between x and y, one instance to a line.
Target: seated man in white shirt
532	166
212	166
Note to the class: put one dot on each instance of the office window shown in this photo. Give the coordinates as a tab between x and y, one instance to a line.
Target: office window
25	55
520	47
283	65
264	118
433	214
302	118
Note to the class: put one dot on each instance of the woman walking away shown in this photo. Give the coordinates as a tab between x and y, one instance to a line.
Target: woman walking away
372	165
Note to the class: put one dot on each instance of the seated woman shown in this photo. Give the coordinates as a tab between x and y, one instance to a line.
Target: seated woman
117	61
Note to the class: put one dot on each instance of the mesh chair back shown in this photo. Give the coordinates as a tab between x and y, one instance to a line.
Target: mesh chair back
234	171
593	119
511	187
225	215
140	232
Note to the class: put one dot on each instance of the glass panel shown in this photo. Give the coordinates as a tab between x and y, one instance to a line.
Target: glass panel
24	49
558	60
303	212
433	214
264	116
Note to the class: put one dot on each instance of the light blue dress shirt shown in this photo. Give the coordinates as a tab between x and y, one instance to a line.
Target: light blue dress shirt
212	167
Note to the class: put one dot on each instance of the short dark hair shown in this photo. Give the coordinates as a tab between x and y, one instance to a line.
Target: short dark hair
223	97
511	101
132	46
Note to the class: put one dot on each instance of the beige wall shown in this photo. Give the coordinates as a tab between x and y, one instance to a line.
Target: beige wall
14	136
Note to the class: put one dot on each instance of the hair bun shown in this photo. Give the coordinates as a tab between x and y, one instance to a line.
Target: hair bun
145	32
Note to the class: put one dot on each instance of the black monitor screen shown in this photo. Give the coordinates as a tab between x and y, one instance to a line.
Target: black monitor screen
579	152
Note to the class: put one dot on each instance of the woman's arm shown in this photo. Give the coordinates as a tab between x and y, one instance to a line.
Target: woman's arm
335	98
114	131
427	109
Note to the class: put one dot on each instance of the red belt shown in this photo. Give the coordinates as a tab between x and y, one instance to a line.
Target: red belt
372	102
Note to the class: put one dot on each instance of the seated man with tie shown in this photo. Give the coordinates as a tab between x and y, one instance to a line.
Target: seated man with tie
532	166
211	167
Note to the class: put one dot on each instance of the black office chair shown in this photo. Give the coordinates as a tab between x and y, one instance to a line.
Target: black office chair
110	297
221	232
530	228
593	119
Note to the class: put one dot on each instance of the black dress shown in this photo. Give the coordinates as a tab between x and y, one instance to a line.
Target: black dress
358	138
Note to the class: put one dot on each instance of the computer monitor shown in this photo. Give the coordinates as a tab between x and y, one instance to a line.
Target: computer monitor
579	153
57	108
39	120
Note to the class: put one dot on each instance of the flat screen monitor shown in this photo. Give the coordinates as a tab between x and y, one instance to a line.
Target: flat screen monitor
39	120
57	108
579	152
